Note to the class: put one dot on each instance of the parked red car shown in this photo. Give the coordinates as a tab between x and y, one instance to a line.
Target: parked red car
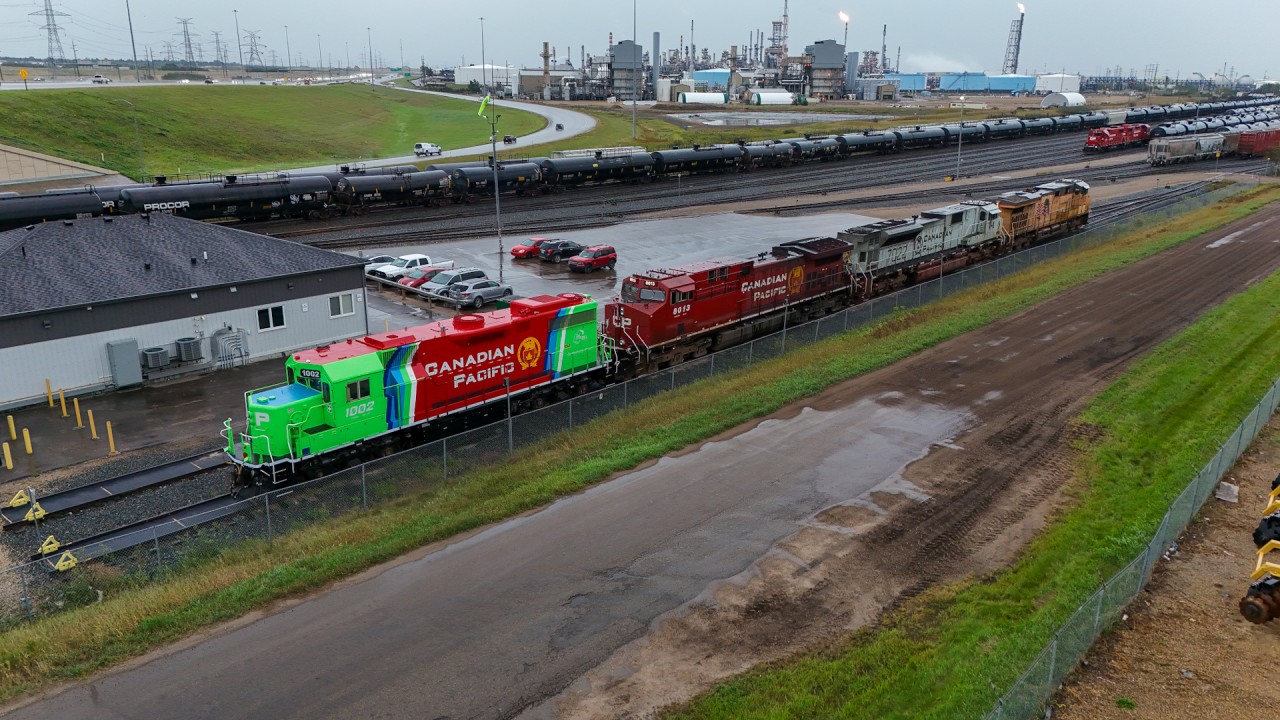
528	248
418	276
594	258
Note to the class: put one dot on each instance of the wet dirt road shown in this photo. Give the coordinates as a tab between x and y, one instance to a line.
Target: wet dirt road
940	465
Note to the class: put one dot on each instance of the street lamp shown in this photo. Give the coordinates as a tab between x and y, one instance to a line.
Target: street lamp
288	52
960	138
369	35
142	171
239	45
493	158
637	80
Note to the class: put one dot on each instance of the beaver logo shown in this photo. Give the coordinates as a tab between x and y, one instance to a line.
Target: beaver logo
795	280
530	353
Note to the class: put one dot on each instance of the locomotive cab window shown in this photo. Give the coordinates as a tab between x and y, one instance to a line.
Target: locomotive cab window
647	295
357	390
678	296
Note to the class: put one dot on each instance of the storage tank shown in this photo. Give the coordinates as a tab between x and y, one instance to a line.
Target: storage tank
704	98
663	90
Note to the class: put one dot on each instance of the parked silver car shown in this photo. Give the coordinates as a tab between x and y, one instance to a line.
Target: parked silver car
475	293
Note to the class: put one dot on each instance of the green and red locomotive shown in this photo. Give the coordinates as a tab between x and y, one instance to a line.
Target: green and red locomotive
364	396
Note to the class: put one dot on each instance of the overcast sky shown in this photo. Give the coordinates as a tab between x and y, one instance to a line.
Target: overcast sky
1085	36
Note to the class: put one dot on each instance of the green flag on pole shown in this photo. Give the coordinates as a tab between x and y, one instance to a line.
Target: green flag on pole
483	104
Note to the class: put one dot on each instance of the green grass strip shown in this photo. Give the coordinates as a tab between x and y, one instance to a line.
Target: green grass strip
944	654
230	128
133	619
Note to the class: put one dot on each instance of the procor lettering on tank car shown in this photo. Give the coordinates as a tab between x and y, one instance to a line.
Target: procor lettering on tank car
364	398
305	196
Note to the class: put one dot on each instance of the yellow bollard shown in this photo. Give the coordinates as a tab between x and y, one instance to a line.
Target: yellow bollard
48	390
111	439
387	323
93	429
62	399
76	402
13	433
26	439
8	459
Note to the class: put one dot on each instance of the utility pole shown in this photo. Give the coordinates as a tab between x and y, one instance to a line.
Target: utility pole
369	36
75	58
239	45
136	71
493	159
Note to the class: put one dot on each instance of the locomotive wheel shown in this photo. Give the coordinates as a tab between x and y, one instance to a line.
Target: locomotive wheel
1258	609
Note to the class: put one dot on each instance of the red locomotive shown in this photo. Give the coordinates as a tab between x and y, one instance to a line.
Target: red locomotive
735	300
1117	136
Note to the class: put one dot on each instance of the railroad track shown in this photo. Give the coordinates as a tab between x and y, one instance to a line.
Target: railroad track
152	529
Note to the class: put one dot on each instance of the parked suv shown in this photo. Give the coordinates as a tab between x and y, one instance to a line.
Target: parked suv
594	258
451	277
422	149
475	293
557	250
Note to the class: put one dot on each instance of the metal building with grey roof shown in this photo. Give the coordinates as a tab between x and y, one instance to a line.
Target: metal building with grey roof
114	301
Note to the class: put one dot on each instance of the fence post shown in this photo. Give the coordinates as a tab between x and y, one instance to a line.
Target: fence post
25	600
155	545
364	489
570	401
266	503
1053	659
625	385
673	378
444	456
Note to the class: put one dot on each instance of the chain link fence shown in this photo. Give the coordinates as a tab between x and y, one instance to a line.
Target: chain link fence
33	589
1074	637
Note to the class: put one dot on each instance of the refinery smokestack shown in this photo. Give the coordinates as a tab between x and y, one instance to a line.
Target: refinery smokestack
656	58
1015	42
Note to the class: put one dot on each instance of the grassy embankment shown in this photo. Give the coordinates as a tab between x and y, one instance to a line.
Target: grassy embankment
133	619
945	653
232	128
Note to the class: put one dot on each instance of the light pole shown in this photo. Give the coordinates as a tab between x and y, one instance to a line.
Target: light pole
288	52
638	81
347	46
493	159
142	171
319	55
239	45
960	138
137	74
369	36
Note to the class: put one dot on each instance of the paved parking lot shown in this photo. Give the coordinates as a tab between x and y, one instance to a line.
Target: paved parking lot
641	246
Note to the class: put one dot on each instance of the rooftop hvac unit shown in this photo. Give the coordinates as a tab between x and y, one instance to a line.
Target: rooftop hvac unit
154	358
188	349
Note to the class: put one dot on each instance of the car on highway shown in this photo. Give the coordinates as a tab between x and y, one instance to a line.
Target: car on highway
423	149
475	293
377	261
557	250
99	80
443	280
528	248
420	276
596	257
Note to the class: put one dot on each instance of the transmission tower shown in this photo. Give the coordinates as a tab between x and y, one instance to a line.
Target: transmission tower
168	51
186	40
217	46
1015	43
51	27
255	56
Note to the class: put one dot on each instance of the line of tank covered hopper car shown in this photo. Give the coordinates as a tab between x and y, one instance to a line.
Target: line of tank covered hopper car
352	191
1246	134
367	396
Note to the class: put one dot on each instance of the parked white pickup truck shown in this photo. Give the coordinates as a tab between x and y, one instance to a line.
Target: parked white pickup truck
403	264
